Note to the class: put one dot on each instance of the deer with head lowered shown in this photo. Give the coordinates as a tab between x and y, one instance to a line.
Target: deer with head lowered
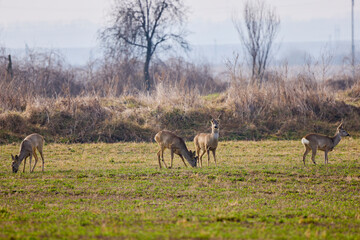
27	149
207	142
167	139
314	142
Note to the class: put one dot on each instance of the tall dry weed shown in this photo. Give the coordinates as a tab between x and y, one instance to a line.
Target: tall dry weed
103	103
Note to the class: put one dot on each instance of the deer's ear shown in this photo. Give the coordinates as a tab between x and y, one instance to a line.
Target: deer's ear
12	157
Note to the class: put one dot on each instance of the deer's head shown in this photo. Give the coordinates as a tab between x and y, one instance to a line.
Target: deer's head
214	124
15	163
342	131
194	158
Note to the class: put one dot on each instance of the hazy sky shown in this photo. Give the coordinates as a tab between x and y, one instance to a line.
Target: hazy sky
74	23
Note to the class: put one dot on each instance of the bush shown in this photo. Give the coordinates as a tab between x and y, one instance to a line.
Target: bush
104	101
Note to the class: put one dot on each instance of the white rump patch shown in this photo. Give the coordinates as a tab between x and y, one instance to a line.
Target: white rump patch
305	141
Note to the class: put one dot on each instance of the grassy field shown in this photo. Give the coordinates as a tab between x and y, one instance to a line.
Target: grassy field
260	190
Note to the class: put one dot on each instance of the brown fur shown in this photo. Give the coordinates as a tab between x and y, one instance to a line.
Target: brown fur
28	149
313	142
169	140
207	142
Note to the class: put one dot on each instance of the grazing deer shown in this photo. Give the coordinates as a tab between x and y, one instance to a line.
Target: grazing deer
167	139
27	149
207	142
324	143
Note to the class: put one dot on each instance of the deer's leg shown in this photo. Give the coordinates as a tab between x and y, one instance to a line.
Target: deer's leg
313	155
200	157
30	160
158	154
42	157
198	154
214	151
172	158
307	150
326	157
207	152
36	159
24	164
162	156
183	160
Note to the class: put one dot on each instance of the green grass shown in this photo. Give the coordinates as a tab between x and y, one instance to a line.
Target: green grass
260	190
211	97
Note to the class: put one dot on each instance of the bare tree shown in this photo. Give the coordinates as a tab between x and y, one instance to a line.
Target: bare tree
257	33
143	26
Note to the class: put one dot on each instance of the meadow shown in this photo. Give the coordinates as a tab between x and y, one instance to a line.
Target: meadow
102	179
259	190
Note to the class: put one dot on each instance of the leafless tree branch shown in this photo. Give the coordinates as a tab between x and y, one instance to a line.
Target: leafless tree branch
257	33
141	27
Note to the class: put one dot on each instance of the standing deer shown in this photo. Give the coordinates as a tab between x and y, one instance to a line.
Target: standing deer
207	142
324	143
27	149
167	139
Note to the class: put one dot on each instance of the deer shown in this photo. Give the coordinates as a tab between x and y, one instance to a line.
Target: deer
27	149
207	142
313	142
169	140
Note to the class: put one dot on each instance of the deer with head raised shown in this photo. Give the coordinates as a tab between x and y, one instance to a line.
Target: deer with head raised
314	142
169	140
207	142
27	149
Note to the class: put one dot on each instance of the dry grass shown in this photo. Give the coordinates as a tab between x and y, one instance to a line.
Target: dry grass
104	101
245	113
